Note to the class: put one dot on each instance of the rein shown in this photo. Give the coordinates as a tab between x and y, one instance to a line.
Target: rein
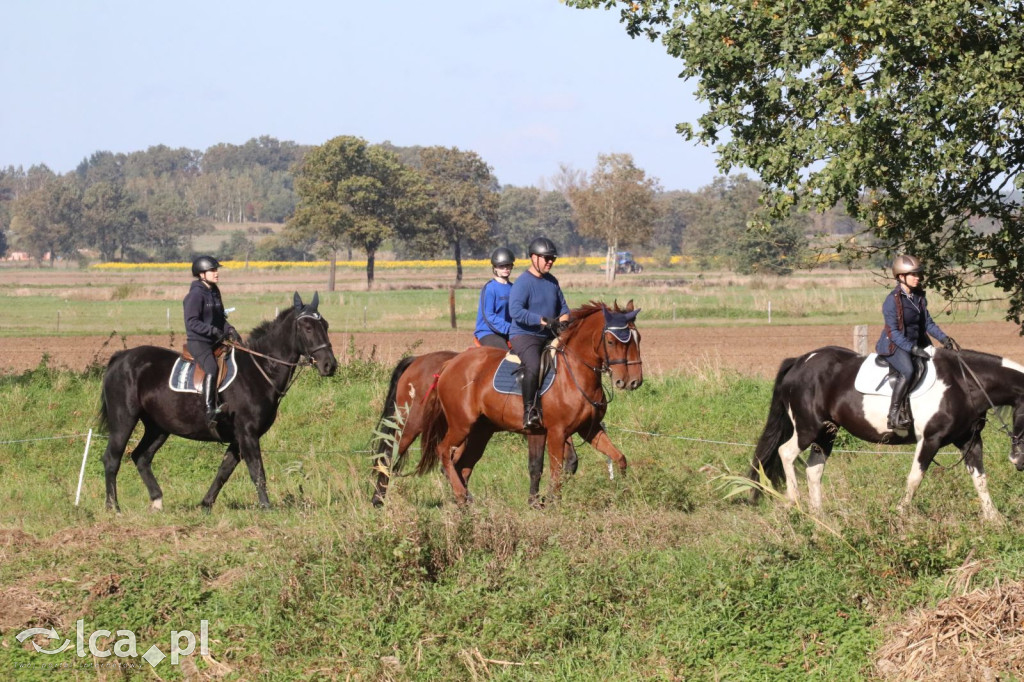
308	356
965	369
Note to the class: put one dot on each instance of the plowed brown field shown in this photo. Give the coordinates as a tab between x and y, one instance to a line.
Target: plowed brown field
755	350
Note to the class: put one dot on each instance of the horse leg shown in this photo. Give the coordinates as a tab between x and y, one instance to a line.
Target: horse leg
152	440
536	444
227	466
383	464
449	448
556	455
117	441
254	460
821	448
469	454
603	444
788	452
972	450
925	453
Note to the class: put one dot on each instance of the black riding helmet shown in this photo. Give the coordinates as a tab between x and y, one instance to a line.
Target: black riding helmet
502	256
204	263
542	246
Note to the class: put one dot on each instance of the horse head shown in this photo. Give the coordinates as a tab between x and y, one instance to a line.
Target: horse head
621	346
311	332
1017	437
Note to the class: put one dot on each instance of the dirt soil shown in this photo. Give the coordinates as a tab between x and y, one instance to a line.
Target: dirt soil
755	350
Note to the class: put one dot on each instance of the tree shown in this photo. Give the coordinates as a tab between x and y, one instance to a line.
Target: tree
909	114
46	221
109	218
616	204
517	216
464	194
716	219
353	194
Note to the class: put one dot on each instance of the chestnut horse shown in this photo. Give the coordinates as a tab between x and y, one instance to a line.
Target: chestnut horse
412	380
464	410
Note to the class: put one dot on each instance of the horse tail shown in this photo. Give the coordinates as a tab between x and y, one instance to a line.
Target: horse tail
435	428
777	430
103	418
387	428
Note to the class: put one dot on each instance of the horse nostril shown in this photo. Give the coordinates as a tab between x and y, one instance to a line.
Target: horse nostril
619	383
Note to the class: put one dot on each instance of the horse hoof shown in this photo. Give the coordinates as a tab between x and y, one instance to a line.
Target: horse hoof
377	501
156	505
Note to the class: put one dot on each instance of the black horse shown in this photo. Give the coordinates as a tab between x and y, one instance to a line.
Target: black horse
814	395
136	386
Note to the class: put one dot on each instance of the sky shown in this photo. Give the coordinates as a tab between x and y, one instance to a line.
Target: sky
529	85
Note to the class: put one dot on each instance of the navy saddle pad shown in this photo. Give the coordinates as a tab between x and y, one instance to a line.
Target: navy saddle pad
183	375
506	377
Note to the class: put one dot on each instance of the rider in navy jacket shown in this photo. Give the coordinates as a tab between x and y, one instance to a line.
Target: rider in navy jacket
537	307
905	335
206	326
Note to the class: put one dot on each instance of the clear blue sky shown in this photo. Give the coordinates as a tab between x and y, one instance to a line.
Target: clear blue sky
527	84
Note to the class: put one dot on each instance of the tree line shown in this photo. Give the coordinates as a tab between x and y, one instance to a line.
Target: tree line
347	194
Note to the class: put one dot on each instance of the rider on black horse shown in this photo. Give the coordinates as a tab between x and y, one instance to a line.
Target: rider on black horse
907	326
206	326
537	308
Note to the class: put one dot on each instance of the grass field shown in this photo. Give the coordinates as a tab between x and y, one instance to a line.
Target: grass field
655	575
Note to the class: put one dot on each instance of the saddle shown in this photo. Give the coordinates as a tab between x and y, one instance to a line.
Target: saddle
508	375
220	354
187	376
876	376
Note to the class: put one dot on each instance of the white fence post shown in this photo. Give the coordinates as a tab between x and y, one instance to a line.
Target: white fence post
81	474
860	339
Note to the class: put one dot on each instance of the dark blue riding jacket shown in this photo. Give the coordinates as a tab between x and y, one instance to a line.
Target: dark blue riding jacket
532	298
907	323
205	319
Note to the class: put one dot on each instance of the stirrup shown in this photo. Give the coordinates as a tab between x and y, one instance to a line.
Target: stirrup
532	418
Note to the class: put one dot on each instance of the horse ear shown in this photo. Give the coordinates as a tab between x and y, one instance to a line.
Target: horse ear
297	301
607	314
631	315
316	301
629	305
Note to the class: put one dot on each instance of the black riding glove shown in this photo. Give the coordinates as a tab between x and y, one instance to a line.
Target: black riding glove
234	336
218	334
920	353
547	322
950	344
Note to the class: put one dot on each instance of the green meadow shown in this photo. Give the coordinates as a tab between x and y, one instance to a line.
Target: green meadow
658	574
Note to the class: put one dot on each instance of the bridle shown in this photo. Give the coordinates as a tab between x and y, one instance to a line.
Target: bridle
305	359
606	362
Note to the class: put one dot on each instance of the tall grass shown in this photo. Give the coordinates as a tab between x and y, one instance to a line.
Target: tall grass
649	576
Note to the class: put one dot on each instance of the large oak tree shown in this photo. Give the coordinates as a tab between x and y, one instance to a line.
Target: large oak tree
909	114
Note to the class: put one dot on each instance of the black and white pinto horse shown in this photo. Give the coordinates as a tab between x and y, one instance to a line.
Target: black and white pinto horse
814	395
136	388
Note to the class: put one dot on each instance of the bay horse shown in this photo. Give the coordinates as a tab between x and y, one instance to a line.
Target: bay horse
412	380
814	395
136	388
464	411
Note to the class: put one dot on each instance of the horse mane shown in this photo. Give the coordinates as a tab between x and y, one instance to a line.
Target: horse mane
577	316
259	334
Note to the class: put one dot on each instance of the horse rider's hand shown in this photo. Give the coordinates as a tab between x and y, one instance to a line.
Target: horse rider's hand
546	322
950	344
920	353
234	336
218	335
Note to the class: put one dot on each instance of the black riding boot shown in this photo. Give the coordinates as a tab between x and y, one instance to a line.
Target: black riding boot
531	407
210	398
900	419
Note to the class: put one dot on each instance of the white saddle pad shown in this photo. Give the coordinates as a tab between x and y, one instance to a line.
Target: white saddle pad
871	379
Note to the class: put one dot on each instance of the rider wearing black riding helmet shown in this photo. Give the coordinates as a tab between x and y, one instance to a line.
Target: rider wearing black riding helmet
206	326
492	318
905	335
537	307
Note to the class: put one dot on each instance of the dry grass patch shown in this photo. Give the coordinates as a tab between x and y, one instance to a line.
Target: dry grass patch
974	636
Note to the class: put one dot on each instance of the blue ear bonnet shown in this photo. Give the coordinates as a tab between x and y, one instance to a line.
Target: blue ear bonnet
617	324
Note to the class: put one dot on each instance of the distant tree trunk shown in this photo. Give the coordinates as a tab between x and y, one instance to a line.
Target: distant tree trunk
371	257
612	261
458	262
332	271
